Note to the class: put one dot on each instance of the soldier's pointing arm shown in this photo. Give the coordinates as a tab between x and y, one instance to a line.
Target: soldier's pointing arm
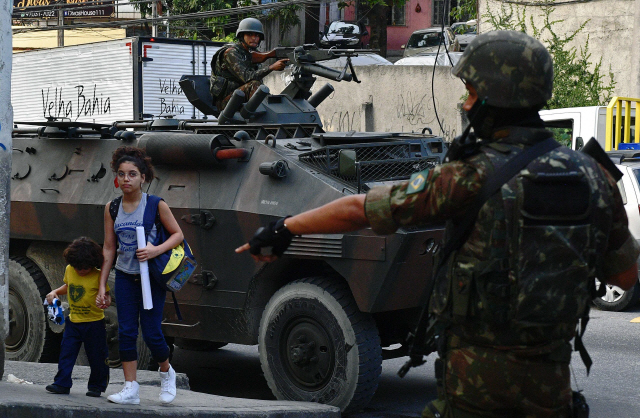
446	192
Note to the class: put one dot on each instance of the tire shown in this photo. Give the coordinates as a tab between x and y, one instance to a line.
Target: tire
616	299
316	346
198	345
30	337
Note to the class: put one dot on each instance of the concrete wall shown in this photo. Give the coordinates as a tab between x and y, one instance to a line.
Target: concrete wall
390	98
612	27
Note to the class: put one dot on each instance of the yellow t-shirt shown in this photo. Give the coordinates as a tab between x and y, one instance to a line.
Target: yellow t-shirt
81	294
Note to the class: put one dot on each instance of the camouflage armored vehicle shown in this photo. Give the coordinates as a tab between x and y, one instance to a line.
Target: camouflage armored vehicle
324	315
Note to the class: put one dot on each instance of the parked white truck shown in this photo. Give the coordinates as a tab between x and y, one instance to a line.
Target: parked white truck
124	79
608	124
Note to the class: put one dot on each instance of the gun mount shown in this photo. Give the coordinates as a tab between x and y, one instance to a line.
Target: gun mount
291	105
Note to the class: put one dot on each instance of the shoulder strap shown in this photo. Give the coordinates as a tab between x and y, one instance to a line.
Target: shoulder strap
151	214
114	207
491	187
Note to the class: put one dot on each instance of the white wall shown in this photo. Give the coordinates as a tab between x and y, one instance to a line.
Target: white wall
399	96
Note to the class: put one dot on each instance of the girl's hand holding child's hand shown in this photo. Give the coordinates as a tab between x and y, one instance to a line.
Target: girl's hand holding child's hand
147	253
104	302
51	296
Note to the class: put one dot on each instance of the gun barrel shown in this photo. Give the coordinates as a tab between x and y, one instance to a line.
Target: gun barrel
330	73
236	101
254	101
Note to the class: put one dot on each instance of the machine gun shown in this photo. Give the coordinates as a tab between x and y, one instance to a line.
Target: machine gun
305	60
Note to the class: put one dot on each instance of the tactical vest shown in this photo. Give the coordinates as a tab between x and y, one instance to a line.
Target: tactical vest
525	275
223	82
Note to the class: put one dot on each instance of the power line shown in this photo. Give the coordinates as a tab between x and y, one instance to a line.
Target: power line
187	16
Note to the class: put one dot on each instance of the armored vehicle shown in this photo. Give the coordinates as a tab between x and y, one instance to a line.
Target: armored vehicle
321	314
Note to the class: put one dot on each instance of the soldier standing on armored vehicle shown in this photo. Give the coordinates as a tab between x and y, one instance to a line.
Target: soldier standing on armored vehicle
511	288
232	68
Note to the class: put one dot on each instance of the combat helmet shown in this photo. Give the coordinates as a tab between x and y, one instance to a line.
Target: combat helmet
511	69
250	24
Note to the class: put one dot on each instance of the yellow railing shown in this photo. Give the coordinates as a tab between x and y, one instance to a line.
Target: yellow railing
623	134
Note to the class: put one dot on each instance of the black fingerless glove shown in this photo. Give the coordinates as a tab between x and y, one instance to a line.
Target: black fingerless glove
275	236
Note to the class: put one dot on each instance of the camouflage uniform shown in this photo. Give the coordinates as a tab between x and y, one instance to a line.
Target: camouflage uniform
509	299
240	72
493	366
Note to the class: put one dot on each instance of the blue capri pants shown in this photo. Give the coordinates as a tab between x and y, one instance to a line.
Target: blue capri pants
132	315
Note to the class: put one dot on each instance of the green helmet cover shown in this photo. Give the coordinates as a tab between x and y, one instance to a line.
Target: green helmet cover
250	24
511	69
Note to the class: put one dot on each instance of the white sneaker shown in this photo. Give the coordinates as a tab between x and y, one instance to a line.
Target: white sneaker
129	395
168	385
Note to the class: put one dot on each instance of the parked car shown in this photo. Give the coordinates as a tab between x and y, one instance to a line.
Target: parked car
345	34
616	299
428	58
465	32
427	40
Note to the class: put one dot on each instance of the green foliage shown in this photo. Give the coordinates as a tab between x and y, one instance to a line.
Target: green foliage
465	10
563	135
229	39
578	80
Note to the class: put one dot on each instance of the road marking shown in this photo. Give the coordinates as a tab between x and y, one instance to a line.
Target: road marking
636	320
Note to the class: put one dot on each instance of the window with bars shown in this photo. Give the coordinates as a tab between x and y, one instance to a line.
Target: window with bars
396	15
441	9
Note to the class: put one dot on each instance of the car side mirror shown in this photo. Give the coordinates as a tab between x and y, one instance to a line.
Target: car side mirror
579	143
402	46
347	163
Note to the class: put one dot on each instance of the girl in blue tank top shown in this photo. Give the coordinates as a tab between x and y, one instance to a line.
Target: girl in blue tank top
133	170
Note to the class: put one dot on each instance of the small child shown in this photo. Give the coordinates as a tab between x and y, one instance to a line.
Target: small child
86	318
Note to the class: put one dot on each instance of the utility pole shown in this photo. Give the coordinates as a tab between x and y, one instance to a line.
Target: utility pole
60	23
154	14
6	125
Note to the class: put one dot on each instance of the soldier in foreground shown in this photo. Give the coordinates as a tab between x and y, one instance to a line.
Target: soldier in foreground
231	66
508	298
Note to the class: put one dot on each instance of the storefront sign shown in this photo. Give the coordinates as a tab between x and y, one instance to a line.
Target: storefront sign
47	9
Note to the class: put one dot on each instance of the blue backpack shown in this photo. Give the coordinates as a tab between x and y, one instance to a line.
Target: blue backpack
173	268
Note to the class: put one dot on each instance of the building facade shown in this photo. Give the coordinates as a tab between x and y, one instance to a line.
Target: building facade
402	21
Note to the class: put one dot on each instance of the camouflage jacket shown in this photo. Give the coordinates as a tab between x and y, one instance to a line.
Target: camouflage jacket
484	264
237	68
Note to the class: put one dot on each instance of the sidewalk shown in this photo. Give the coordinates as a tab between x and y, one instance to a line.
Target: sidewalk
23	400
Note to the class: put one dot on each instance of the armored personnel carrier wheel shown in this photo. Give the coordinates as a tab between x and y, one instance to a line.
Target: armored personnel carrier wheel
315	345
30	337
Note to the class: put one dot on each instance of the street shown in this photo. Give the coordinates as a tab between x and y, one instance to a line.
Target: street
611	388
